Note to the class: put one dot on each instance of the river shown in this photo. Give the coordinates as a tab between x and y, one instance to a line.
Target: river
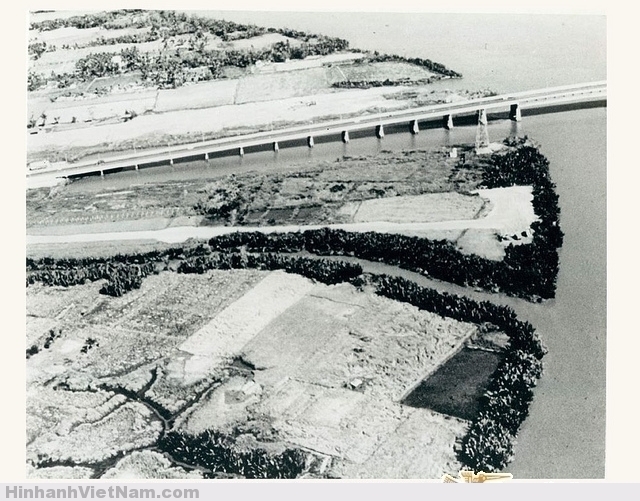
564	436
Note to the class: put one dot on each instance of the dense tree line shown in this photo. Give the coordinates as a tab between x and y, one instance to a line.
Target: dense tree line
521	273
327	272
120	277
367	84
167	23
218	453
99	19
52	335
170	68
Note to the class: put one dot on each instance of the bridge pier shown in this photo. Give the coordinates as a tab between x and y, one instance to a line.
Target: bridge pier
137	167
206	156
514	112
379	131
171	161
448	122
345	136
241	151
482	133
276	146
310	142
102	173
414	127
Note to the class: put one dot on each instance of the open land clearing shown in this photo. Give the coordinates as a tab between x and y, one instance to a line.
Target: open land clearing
335	390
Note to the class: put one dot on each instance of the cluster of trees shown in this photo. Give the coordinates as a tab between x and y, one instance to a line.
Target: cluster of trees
52	335
121	276
166	23
99	19
325	271
170	68
36	49
88	344
35	81
97	64
488	444
126	278
218	453
367	84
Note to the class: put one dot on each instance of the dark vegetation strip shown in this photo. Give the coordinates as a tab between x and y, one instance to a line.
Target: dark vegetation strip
218	453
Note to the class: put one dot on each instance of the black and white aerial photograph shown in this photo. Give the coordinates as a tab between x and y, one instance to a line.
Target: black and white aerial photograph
315	245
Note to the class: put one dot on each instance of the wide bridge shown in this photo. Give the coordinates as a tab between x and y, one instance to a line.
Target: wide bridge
512	103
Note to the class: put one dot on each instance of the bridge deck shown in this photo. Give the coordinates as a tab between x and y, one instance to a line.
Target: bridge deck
539	98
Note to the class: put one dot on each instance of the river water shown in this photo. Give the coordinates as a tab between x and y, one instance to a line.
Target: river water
564	437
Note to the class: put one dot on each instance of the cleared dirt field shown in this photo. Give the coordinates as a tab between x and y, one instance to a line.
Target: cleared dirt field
233	327
402	454
201	95
335	388
282	85
289	360
94	110
416	209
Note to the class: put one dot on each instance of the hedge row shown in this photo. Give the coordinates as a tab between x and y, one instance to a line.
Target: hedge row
219	454
120	277
367	84
328	272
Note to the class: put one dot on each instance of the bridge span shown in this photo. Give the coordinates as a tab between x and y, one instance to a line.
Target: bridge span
513	103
